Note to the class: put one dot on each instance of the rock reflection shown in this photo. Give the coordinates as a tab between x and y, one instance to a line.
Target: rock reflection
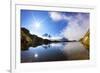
46	46
76	51
55	52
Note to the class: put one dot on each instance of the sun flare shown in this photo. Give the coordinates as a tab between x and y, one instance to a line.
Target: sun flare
37	25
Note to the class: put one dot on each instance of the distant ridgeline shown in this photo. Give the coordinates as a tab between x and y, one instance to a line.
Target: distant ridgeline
33	40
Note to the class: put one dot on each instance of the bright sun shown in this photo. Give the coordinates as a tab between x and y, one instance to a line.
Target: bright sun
37	25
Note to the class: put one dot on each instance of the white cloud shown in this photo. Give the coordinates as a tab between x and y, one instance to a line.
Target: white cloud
55	16
77	25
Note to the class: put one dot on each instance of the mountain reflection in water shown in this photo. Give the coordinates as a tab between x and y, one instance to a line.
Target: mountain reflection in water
55	52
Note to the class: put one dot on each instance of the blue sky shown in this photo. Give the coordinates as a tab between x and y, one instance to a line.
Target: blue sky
57	24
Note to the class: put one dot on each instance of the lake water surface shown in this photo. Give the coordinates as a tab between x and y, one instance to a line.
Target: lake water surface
55	52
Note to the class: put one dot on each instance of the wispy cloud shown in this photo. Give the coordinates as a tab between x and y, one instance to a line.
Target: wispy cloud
77	26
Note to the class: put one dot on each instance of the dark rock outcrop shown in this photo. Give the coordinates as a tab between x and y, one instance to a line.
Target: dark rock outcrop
28	39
